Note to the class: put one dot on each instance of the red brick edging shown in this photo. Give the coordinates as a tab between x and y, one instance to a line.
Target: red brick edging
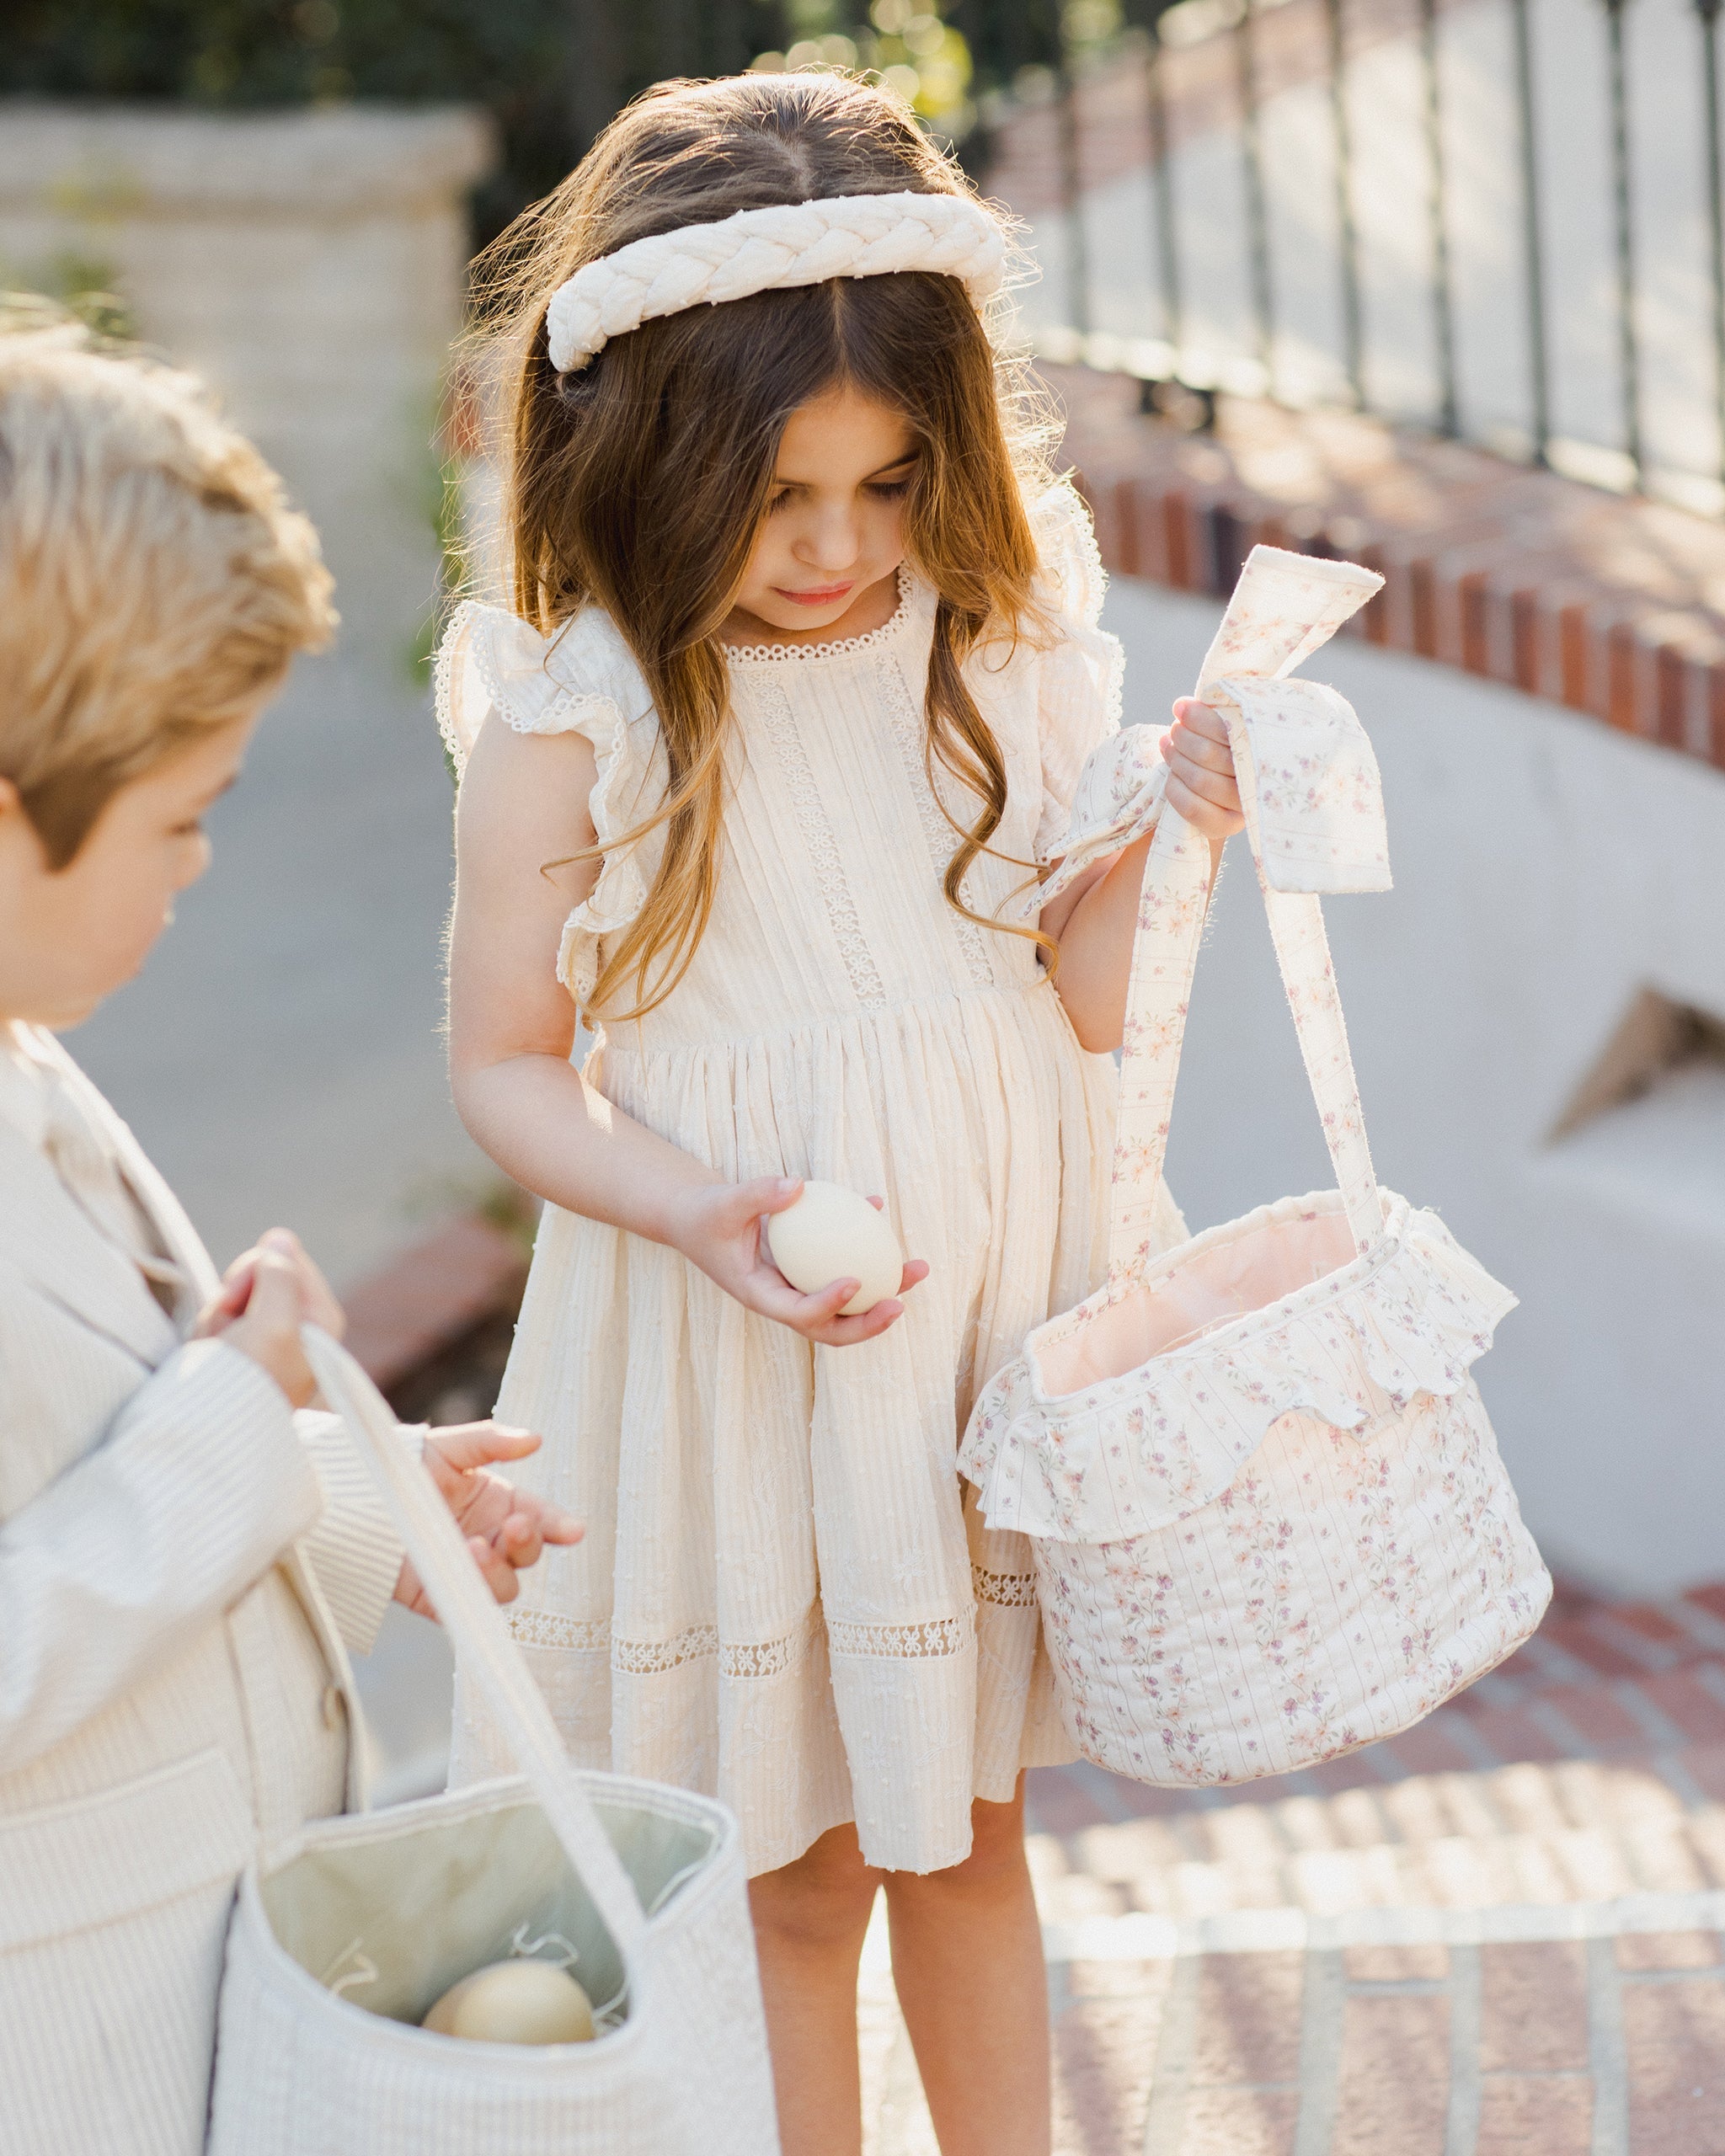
427	1298
1614	607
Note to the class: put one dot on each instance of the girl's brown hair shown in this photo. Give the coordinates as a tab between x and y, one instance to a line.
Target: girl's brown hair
639	482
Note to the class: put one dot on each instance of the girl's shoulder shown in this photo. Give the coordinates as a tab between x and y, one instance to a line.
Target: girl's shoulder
1070	581
582	678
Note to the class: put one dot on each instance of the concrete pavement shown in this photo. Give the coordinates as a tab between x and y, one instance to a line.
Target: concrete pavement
280	1056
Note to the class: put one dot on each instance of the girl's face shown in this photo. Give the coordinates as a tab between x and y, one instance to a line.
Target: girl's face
74	935
833	535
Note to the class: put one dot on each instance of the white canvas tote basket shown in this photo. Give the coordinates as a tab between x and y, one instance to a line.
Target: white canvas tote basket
646	1883
1269	1519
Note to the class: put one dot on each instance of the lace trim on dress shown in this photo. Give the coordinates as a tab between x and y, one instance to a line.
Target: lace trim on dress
777	654
908	737
1066	542
931	1641
811	815
648	1657
1004	1590
443	664
547	1628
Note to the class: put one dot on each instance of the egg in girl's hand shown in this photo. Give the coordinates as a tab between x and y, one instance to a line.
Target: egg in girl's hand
519	2002
835	1233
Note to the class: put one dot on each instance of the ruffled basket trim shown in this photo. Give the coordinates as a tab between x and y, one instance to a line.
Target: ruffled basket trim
1138	1452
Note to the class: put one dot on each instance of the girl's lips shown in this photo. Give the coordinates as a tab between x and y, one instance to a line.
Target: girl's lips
821	595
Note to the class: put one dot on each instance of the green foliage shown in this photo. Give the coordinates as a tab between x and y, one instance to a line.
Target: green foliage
549	71
69	285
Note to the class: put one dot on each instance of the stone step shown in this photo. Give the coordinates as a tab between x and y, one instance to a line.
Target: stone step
1673	1720
1579	1830
1596	2029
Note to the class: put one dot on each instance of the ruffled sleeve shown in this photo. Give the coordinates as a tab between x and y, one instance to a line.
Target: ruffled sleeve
582	679
1079	695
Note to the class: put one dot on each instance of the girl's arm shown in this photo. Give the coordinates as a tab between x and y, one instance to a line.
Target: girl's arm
1094	921
523	803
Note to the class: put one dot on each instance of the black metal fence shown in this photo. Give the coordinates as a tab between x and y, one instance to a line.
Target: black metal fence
1158	348
1654	415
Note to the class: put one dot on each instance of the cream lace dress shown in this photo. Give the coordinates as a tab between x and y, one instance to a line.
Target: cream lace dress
784	1594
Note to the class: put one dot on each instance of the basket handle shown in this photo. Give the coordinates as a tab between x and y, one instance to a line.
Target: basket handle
477	1630
1282	608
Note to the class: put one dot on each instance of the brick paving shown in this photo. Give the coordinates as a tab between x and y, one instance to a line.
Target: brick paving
1613	607
1503	1935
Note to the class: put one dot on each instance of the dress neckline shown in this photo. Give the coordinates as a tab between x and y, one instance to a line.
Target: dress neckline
778	655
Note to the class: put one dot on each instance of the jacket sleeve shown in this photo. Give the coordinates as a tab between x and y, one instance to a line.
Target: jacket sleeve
199	1484
354	1549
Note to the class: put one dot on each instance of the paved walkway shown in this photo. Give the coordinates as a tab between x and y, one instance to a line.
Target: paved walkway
281	1058
1500	1935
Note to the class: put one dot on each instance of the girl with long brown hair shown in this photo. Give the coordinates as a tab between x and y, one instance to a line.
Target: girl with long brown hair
800	670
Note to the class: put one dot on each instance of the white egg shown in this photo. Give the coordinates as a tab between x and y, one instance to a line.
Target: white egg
520	2002
835	1233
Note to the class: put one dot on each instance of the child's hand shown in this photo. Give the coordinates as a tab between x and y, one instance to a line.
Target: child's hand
722	1228
1201	770
235	1293
266	1294
506	1528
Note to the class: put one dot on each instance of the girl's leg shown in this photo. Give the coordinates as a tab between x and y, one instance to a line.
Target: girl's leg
809	1920
967	1961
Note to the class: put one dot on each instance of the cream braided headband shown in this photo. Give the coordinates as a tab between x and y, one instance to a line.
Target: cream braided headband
764	250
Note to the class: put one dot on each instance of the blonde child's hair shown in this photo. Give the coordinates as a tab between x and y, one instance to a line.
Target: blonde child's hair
154	583
638	482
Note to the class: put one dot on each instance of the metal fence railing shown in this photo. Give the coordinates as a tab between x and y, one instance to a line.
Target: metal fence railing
1501	219
1555	285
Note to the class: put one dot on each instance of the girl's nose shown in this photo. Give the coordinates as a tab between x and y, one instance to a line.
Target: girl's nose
831	544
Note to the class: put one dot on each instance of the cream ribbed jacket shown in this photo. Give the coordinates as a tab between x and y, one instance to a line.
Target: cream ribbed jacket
183	1563
783	1595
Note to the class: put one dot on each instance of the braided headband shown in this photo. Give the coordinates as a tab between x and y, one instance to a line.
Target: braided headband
764	250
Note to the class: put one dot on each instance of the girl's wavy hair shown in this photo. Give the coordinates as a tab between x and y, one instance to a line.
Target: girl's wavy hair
639	482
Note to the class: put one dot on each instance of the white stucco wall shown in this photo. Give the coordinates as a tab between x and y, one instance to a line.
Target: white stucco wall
282	1055
1546	869
310	264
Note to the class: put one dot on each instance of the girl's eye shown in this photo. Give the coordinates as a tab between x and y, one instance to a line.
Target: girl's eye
777	501
890	490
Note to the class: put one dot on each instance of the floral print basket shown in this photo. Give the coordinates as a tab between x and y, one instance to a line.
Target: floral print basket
1269	1518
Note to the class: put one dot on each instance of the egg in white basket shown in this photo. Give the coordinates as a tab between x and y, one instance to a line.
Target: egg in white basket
835	1233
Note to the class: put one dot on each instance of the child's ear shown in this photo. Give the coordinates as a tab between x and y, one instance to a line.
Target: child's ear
19	838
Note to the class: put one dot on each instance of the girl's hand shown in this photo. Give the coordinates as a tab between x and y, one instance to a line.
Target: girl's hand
506	1528
1201	765
722	1228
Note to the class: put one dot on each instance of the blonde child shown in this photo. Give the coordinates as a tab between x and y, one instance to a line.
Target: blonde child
185	1560
802	667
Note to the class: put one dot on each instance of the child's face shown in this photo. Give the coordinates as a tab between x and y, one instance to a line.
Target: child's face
834	524
71	936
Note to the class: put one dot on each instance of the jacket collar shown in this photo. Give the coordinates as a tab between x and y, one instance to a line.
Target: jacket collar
53	1241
